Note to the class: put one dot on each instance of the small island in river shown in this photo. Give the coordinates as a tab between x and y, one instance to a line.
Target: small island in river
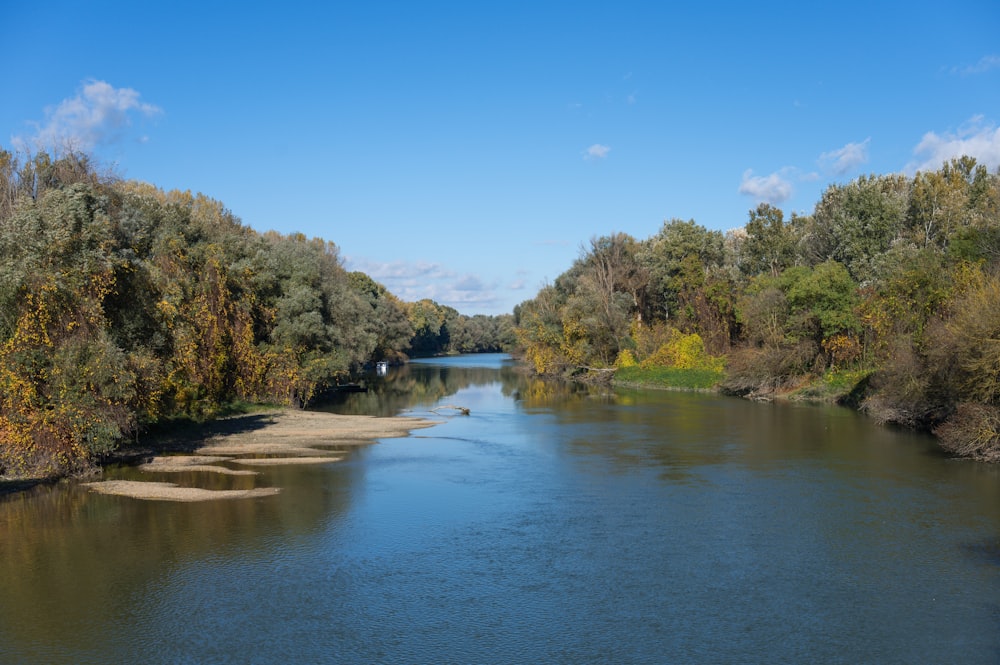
287	436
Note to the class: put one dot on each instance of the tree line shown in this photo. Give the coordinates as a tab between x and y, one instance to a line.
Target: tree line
122	305
890	289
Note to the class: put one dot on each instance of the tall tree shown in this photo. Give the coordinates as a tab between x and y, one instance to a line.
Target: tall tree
769	245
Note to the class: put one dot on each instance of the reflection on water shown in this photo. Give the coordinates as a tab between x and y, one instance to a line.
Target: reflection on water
555	523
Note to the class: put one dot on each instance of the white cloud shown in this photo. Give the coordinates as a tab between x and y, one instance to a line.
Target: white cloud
774	189
99	114
469	283
845	159
596	151
399	270
976	138
985	64
413	281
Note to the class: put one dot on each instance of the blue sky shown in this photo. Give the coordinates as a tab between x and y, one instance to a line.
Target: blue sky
465	152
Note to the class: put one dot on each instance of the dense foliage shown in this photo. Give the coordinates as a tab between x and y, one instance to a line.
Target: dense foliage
891	287
122	305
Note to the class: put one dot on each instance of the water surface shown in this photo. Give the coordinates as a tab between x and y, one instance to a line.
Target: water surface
553	524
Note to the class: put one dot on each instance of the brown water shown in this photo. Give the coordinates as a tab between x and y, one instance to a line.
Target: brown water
554	524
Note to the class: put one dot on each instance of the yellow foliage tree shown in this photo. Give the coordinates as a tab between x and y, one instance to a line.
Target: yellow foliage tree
683	351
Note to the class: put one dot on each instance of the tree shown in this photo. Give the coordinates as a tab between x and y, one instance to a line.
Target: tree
430	330
823	302
769	243
675	261
67	392
939	202
609	291
857	223
539	330
393	330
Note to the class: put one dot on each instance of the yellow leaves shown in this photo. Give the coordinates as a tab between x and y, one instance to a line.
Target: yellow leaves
543	358
575	341
842	349
625	359
683	351
167	310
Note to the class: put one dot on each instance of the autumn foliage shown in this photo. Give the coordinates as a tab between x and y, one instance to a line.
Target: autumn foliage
122	305
892	282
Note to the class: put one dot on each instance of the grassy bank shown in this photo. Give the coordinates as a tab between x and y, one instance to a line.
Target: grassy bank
844	387
833	387
668	378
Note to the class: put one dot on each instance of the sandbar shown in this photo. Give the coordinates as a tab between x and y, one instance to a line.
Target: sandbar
141	489
185	463
275	461
286	436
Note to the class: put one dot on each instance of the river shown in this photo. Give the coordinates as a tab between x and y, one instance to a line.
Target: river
553	524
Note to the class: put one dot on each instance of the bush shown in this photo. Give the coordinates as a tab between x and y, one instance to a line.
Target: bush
764	370
972	431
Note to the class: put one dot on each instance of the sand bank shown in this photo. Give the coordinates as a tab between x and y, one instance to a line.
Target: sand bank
268	439
141	489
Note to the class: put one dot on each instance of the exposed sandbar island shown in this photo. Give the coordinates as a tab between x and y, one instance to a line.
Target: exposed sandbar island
287	436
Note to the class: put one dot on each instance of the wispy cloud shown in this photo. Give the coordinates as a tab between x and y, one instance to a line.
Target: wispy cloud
596	151
846	159
99	114
399	270
417	280
520	282
985	64
977	138
774	188
469	283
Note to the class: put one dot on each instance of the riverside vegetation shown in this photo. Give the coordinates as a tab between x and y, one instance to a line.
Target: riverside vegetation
886	298
123	307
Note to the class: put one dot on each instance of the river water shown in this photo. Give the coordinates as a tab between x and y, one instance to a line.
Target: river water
554	524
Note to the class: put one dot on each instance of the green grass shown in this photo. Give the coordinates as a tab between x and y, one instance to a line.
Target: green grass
834	386
668	377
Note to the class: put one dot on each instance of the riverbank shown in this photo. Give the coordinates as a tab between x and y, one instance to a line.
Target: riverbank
844	388
281	436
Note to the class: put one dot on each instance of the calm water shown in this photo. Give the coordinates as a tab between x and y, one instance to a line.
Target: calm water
553	525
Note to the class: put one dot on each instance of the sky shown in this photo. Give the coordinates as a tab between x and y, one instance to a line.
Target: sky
468	152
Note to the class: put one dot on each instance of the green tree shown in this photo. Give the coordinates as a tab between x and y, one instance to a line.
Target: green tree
769	243
392	328
857	223
430	329
675	261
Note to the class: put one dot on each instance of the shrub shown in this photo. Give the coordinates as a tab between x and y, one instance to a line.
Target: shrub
763	370
973	430
682	351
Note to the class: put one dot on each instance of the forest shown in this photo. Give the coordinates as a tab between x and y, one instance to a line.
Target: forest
886	298
123	307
